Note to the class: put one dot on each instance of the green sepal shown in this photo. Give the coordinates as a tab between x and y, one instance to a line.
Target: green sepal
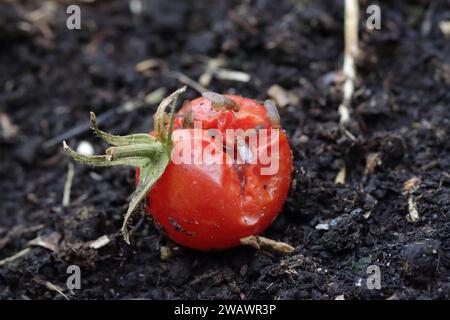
119	140
148	175
151	155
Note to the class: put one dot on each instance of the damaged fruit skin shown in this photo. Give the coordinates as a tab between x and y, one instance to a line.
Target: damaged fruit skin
212	206
204	204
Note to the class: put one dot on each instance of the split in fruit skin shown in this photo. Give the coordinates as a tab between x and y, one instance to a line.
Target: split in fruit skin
200	206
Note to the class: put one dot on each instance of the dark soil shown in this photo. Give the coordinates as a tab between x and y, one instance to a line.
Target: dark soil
52	77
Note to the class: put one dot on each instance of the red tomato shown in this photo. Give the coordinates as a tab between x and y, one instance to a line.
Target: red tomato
213	205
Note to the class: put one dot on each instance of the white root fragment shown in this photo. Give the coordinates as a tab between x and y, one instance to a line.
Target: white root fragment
215	67
7	128
231	75
350	52
445	28
259	242
50	286
322	226
99	243
340	177
165	253
147	64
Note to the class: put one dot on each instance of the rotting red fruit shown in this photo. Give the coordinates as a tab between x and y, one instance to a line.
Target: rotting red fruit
205	206
210	205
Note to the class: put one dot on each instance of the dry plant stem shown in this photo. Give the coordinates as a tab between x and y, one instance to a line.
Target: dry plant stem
16	256
68	185
17	231
99	243
259	242
350	51
150	155
188	81
51	286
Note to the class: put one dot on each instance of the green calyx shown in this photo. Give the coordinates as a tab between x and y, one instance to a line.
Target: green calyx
151	155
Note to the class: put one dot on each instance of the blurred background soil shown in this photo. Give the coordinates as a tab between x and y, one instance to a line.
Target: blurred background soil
291	51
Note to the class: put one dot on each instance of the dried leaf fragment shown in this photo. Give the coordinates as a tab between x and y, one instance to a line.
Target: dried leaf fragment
373	160
50	242
259	242
411	185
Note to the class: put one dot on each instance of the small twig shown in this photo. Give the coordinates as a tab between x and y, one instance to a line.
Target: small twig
49	242
187	81
257	242
350	52
16	232
147	64
99	243
51	287
15	256
427	24
232	75
68	185
340	177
